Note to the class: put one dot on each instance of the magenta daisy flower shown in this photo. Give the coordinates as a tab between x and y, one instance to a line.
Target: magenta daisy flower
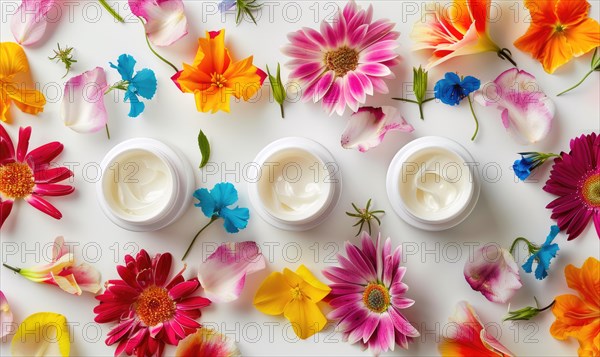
151	310
345	61
575	178
367	295
29	175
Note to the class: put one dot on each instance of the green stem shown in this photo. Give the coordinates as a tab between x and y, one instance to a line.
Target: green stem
547	307
577	85
16	270
107	131
214	218
156	53
407	100
111	10
474	117
517	240
282	113
421	111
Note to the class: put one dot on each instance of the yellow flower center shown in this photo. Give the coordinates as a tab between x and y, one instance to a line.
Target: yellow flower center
218	80
296	293
342	60
376	297
154	306
16	180
591	190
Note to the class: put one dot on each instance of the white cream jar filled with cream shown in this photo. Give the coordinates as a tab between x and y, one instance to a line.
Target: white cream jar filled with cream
145	185
294	183
432	183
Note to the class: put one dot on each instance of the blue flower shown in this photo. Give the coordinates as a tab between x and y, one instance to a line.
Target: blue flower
142	84
452	90
530	161
214	204
542	255
226	5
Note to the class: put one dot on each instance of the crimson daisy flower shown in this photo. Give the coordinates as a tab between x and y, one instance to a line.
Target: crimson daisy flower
367	296
575	178
150	309
28	175
346	61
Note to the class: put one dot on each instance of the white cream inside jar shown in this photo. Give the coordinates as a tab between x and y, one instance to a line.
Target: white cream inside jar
293	185
435	184
137	185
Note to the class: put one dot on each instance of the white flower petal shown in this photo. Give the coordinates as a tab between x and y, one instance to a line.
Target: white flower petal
29	23
223	274
165	22
367	127
82	107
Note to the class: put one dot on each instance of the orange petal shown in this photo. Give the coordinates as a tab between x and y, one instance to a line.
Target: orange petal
583	37
542	11
571	12
212	100
191	79
29	101
4	105
215	57
534	40
555	53
242	79
572	314
586	280
458	14
589	339
480	12
13	62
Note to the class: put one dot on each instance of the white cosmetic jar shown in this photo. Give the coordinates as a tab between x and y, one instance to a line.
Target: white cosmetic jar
294	183
145	185
432	183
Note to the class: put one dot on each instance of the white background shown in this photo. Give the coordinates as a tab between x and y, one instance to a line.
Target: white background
506	209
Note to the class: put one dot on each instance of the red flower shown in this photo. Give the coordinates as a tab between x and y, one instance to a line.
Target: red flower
150	309
575	178
29	176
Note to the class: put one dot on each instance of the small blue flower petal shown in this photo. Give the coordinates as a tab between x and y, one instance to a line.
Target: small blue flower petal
125	64
469	85
235	219
144	83
452	90
224	195
527	267
136	107
522	168
543	255
207	202
452	78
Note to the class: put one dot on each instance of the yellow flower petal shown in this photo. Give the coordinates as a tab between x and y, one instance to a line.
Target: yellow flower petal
42	334
312	288
273	295
67	283
305	316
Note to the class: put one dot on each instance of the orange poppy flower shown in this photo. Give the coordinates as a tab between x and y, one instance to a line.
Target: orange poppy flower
16	82
579	316
214	76
559	31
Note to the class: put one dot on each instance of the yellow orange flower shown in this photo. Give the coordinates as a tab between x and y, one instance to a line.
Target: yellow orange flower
295	295
559	31
456	30
579	316
214	77
16	83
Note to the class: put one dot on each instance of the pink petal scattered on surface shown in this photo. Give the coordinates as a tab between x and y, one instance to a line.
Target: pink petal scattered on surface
224	272
494	273
367	127
6	316
29	23
165	19
82	107
527	112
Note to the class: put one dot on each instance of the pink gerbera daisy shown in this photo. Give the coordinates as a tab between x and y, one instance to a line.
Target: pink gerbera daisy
346	60
29	176
150	309
367	295
575	178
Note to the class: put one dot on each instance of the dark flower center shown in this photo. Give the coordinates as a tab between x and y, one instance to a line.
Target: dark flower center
342	60
16	180
154	306
376	297
591	190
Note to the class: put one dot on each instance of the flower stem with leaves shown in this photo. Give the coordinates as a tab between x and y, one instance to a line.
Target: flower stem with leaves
65	56
277	88
595	68
420	89
527	312
364	215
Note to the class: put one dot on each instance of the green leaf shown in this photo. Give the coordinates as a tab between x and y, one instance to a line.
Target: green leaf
204	146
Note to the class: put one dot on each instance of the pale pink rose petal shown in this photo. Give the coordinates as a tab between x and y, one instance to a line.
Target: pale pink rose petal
494	273
165	19
224	272
87	277
6	316
29	23
527	112
82	107
368	126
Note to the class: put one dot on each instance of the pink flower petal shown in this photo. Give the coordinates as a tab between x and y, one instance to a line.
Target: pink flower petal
527	112
6	316
23	145
44	206
87	277
165	20
5	208
367	127
494	273
233	262
374	69
82	107
29	23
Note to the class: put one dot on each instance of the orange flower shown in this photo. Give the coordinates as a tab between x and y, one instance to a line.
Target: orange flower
457	30
559	31
214	76
16	83
579	316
